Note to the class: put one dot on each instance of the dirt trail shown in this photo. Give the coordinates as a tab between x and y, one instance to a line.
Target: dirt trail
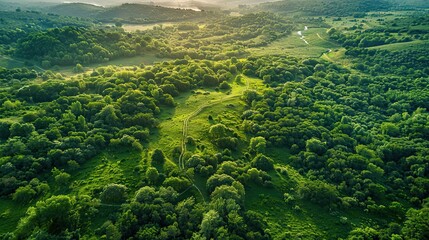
302	35
186	126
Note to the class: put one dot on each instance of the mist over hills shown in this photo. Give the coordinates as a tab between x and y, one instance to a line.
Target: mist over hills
270	5
174	3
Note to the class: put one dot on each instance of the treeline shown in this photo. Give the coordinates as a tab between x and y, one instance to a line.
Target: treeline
327	8
219	40
72	45
129	13
367	38
223	38
142	13
413	63
16	25
16	76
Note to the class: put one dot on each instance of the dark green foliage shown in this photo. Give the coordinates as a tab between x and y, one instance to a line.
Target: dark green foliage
327	8
416	225
319	192
4	130
158	214
72	46
158	156
57	215
113	194
17	25
24	194
316	146
258	144
263	162
141	13
80	10
218	180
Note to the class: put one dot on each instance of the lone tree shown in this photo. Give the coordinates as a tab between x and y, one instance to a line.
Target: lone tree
158	156
258	144
263	162
114	193
152	175
24	194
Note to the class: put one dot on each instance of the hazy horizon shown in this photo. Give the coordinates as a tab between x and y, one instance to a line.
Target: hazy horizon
105	3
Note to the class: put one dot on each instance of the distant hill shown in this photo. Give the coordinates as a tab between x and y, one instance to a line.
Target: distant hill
411	3
76	10
199	5
326	7
127	13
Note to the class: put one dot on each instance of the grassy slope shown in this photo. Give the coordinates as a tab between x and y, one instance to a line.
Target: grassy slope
295	46
418	44
76	10
10	213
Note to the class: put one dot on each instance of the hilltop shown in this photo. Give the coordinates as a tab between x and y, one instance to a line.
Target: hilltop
77	10
127	13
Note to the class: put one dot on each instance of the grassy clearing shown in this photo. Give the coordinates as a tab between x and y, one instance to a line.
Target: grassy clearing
168	137
111	166
10	213
293	45
143	27
418	44
227	112
371	20
169	134
147	59
299	219
10	63
338	56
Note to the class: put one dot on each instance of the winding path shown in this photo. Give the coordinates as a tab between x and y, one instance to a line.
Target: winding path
185	131
186	125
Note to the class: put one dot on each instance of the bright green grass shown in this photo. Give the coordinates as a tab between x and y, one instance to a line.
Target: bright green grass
169	134
317	39
227	112
143	27
338	56
299	219
414	45
121	166
11	119
10	213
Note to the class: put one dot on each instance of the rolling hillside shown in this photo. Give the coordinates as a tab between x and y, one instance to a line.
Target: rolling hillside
127	13
326	8
76	10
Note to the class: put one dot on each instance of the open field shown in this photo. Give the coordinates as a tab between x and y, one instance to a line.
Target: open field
418	44
143	27
316	38
372	19
147	59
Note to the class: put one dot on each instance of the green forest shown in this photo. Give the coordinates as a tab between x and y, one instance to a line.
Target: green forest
276	120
